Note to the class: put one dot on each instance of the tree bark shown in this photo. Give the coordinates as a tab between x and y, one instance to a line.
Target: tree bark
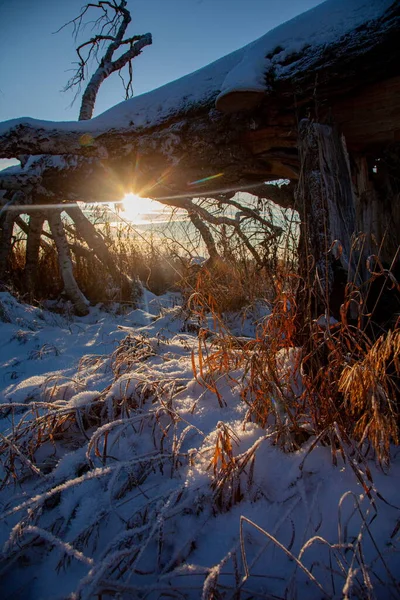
326	204
64	259
105	69
206	236
87	231
377	207
34	233
7	226
75	247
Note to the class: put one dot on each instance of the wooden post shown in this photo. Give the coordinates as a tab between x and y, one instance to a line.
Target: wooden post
326	205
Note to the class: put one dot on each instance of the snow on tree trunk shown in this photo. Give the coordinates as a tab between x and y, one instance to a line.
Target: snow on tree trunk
326	203
64	259
33	240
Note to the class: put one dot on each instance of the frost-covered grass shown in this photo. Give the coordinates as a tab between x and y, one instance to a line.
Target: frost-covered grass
147	455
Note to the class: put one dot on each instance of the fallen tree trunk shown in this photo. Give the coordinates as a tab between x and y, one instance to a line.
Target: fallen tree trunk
178	124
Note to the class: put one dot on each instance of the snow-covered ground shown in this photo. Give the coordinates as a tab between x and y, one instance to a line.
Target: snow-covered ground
127	476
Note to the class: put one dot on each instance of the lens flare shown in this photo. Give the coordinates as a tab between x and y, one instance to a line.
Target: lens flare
205	179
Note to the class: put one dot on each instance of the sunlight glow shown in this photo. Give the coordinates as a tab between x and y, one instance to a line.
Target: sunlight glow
137	209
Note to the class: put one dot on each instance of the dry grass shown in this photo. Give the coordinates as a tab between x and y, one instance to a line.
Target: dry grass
158	266
347	377
301	378
52	420
342	392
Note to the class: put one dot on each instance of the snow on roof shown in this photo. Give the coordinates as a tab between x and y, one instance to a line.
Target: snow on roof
241	71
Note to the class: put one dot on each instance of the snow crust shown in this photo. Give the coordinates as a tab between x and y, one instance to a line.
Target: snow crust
242	70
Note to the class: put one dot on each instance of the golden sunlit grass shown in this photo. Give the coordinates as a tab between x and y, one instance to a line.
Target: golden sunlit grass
349	381
137	254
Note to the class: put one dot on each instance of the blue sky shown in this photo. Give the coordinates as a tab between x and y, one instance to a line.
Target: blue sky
187	34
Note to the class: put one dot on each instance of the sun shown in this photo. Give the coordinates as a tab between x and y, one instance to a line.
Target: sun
137	209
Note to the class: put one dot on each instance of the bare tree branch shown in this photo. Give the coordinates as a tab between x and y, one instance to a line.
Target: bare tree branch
113	30
205	234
